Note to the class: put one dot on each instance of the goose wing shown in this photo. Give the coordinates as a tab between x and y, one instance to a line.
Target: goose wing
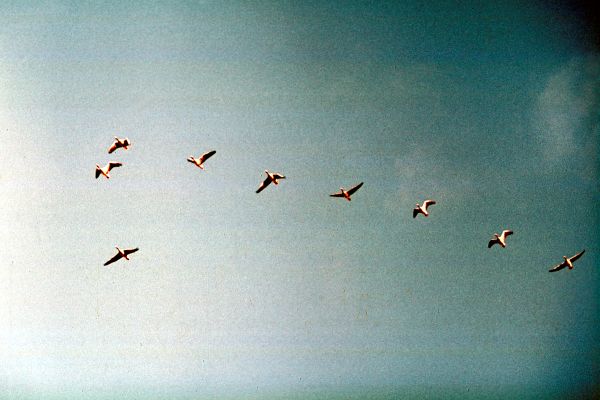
492	242
97	172
263	185
506	232
416	212
112	165
278	176
206	156
355	188
337	194
112	260
129	251
558	267
576	256
191	159
428	203
113	147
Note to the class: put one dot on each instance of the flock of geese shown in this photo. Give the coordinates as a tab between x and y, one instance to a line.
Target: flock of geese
275	178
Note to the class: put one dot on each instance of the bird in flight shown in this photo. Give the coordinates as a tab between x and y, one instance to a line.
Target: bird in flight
500	239
423	209
347	193
568	262
271	177
198	162
119	143
121	254
106	169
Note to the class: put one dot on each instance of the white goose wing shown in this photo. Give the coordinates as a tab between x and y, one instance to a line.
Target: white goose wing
207	155
355	188
428	203
112	165
505	233
112	260
113	147
416	211
264	184
277	175
576	256
129	251
558	267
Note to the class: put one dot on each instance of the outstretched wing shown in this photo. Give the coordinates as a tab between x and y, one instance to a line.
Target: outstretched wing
492	242
191	159
206	156
129	251
112	260
263	185
112	165
355	188
558	267
97	173
576	256
278	176
428	203
113	147
337	194
416	212
507	232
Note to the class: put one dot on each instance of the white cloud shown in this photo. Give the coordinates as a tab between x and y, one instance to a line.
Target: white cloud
565	108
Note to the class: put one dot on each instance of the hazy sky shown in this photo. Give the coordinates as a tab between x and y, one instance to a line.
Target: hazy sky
490	110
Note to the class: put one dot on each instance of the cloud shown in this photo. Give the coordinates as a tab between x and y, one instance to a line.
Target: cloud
566	108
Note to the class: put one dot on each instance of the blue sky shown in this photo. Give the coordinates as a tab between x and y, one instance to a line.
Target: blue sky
490	110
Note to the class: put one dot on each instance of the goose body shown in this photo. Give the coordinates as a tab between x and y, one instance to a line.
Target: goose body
119	143
500	239
567	262
121	254
199	162
423	209
271	177
106	169
347	193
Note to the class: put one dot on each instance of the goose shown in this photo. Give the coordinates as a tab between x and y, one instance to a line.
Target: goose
271	177
347	193
121	254
500	239
423	209
568	262
118	143
104	171
198	162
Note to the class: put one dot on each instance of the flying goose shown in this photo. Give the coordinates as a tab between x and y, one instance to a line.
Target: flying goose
121	254
118	143
500	239
423	209
568	262
271	177
104	171
347	193
200	160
